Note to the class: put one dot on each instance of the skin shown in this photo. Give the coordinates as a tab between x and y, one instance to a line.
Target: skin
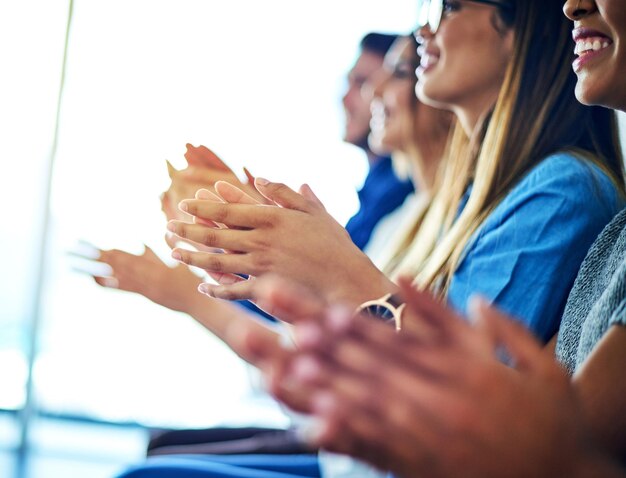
177	287
600	81
464	62
356	105
431	400
400	123
393	92
263	238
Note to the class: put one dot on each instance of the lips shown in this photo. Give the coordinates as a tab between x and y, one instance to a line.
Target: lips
590	44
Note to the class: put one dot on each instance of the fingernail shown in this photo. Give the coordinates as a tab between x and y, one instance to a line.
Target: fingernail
204	194
183	206
305	369
171	226
262	181
204	288
111	282
177	255
339	318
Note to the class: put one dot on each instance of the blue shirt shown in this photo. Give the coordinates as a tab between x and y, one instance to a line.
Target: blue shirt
526	254
381	194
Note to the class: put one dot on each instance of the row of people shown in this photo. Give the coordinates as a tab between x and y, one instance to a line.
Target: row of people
528	181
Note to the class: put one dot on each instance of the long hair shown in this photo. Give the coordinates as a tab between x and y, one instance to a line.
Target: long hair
428	128
536	114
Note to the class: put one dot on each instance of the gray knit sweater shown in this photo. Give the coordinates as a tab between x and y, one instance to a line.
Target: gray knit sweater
598	299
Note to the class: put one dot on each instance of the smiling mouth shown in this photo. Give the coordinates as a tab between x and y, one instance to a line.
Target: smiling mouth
585	46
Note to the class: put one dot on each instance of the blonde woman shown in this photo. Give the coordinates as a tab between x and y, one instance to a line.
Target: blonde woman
533	178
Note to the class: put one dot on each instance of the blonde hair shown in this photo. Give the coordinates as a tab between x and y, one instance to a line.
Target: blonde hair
535	115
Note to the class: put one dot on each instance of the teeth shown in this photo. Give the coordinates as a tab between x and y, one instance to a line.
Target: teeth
591	44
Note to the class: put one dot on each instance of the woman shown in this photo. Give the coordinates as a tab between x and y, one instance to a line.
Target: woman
487	411
416	135
533	178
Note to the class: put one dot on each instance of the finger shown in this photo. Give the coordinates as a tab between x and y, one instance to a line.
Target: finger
171	170
238	291
232	194
232	215
282	195
203	156
207	195
424	313
149	254
231	239
306	191
525	350
249	175
289	301
107	281
255	343
225	279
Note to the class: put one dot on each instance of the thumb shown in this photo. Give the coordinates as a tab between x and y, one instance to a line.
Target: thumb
306	191
171	170
282	195
148	253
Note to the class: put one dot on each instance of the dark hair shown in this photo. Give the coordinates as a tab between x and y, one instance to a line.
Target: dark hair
378	43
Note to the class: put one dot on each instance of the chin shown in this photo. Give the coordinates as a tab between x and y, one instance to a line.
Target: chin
590	92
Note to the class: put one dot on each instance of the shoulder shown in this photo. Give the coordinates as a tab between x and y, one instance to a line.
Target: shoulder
565	181
566	169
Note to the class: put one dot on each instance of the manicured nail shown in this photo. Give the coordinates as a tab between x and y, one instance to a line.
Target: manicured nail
183	206
204	288
203	194
171	226
111	282
177	255
261	181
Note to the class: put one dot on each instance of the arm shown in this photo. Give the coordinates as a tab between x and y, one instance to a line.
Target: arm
176	289
435	400
602	388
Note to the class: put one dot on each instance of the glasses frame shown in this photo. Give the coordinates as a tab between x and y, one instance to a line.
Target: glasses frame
430	13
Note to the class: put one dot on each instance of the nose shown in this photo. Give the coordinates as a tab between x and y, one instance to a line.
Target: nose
577	9
375	86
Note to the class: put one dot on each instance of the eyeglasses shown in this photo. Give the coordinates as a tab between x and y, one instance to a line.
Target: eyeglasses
430	12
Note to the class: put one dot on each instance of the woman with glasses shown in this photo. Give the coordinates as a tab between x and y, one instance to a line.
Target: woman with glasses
532	179
444	404
416	135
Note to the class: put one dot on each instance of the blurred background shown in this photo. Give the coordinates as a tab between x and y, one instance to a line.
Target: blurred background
84	371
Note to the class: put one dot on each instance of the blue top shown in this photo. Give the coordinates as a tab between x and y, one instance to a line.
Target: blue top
381	194
526	254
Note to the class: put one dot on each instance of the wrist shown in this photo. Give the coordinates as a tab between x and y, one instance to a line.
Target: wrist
360	282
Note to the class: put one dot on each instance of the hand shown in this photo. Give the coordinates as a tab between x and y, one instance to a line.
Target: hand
147	275
204	169
296	239
434	399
